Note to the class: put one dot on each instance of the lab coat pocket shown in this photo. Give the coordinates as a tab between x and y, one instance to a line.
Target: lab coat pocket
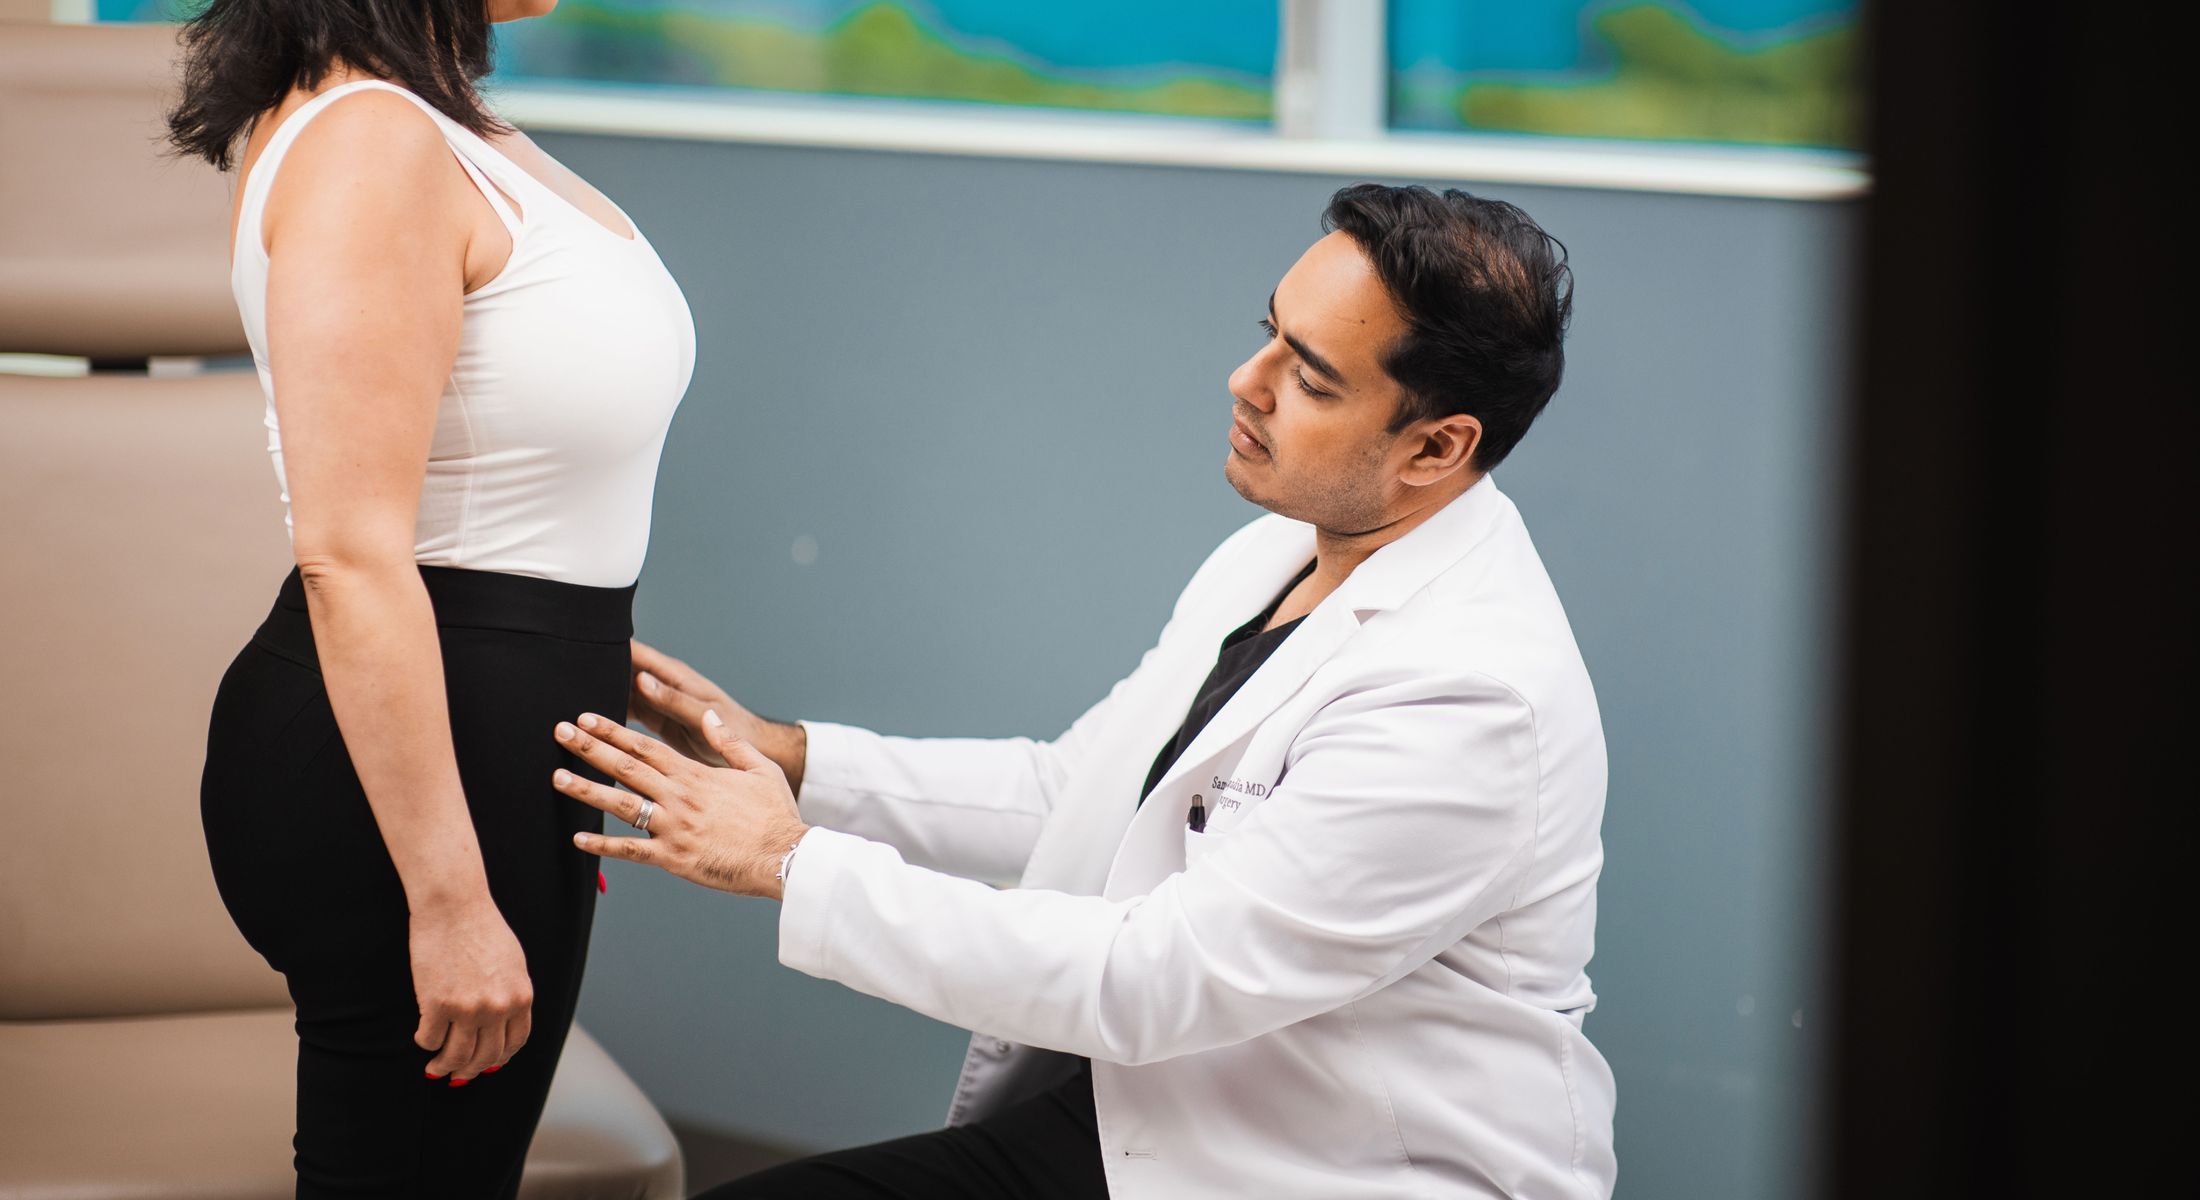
1198	845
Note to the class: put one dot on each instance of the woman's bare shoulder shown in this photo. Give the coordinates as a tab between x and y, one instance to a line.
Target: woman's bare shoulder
370	155
371	127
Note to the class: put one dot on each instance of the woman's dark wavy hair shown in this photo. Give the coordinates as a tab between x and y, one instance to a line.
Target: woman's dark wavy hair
1486	296
241	57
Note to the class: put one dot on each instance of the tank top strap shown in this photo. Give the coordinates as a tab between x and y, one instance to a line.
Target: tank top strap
471	151
492	191
489	170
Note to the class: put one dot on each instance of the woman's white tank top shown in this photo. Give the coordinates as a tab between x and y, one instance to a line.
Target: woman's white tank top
570	364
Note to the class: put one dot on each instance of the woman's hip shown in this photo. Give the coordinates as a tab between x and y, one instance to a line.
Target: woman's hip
288	826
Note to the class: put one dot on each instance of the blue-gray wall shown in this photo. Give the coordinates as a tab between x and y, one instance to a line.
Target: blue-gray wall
990	394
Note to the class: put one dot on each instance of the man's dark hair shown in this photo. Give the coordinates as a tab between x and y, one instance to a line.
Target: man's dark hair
241	57
1485	294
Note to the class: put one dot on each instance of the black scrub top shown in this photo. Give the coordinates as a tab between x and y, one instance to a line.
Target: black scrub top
1242	653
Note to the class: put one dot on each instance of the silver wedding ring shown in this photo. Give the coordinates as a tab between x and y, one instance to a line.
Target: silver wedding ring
641	819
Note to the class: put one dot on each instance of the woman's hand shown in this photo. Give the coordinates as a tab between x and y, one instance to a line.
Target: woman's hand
670	697
723	827
476	1001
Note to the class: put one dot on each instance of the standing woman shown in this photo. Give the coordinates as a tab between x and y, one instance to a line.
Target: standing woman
470	358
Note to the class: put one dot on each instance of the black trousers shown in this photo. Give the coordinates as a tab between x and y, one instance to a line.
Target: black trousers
303	869
1046	1148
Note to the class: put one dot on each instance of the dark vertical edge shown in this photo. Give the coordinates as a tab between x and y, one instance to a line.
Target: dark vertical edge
2016	614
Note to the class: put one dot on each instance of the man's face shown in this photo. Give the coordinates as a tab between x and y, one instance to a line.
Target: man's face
1309	440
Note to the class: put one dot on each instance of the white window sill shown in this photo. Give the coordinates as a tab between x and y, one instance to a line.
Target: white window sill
930	128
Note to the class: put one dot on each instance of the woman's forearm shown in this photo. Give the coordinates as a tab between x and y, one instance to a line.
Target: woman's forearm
375	634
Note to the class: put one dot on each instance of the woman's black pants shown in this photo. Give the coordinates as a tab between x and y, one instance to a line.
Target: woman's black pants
303	869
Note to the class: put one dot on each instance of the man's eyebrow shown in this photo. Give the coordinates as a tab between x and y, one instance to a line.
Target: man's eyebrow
1313	360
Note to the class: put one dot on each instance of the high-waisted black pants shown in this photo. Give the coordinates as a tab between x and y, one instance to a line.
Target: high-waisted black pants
303	869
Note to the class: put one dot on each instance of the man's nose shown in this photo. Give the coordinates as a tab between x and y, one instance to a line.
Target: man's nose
1246	384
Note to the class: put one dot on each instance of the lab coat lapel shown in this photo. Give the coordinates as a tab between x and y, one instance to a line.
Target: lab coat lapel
1155	834
1079	842
1389	577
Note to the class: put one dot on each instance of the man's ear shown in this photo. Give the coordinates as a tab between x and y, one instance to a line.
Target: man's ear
1447	445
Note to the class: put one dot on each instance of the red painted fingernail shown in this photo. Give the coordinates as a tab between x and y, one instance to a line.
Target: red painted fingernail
602	884
458	1083
490	1070
433	1077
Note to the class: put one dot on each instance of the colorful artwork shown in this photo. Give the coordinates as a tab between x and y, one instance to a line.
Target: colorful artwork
1760	72
1210	59
1767	72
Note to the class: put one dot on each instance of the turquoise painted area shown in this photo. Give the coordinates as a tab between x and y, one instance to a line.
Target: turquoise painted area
1753	71
1233	35
137	10
1114	42
1552	35
1237	36
1770	72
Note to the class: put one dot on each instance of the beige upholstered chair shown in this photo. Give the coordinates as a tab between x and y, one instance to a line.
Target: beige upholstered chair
145	1051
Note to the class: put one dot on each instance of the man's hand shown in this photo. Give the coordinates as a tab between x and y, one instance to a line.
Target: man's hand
722	827
670	697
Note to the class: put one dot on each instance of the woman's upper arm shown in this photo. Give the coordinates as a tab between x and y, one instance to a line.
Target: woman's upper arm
366	275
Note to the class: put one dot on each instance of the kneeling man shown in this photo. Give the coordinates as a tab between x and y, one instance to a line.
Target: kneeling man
1330	940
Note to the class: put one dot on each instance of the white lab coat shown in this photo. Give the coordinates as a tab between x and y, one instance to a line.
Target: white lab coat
1366	978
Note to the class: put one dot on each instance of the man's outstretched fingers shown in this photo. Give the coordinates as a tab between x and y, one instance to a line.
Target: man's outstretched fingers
632	849
737	751
670	700
665	667
606	757
641	746
624	805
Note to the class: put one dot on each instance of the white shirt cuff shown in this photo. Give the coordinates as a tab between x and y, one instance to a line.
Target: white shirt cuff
805	910
827	791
